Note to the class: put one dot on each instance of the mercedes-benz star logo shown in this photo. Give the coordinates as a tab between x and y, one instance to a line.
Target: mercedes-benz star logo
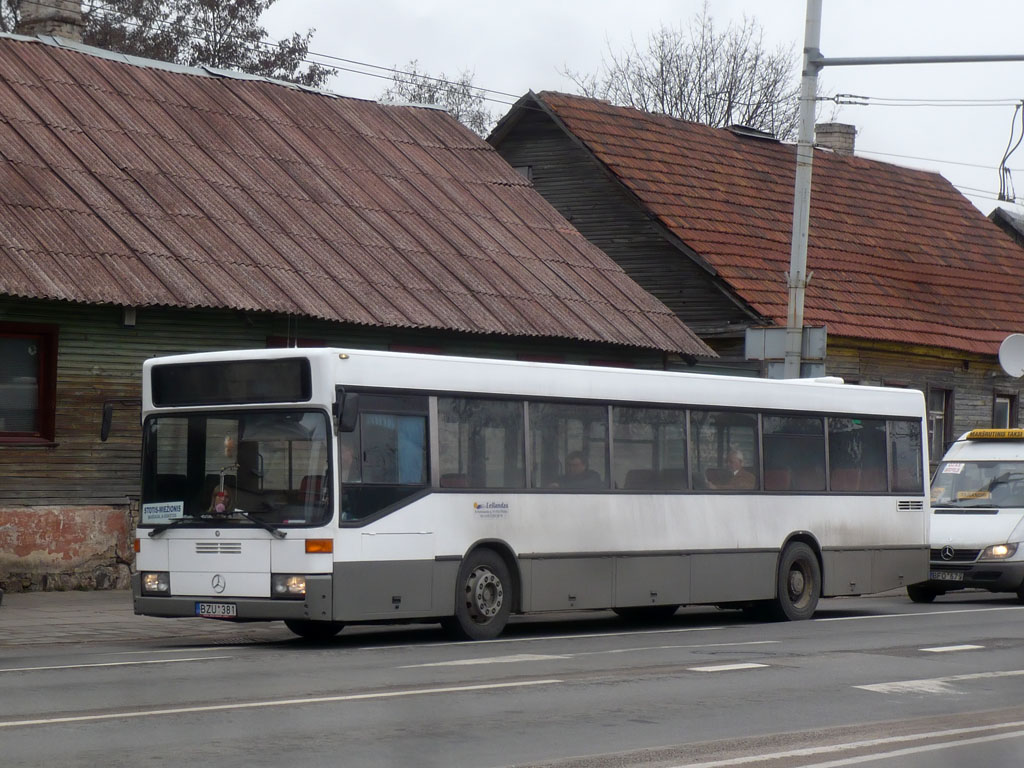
947	552
218	583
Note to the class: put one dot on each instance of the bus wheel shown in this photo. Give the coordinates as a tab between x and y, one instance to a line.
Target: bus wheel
314	630
798	584
481	605
919	593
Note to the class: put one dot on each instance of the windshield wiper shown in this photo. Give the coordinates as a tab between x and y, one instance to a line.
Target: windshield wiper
176	521
1006	477
277	533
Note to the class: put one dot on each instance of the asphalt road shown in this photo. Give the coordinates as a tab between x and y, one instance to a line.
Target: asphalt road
870	681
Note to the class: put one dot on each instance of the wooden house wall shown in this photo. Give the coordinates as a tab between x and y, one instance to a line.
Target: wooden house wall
607	215
99	359
974	380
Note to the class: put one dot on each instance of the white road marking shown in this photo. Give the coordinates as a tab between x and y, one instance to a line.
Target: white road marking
675	647
554	657
726	667
155	651
867	744
534	638
935	684
276	703
951	648
920	613
915	750
111	664
489	660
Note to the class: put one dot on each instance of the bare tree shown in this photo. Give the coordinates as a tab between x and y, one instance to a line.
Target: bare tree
219	33
9	15
460	98
704	75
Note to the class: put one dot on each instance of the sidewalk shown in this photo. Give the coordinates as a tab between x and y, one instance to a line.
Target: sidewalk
41	618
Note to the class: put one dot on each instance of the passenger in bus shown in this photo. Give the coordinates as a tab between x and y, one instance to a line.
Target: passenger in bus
578	474
349	465
735	476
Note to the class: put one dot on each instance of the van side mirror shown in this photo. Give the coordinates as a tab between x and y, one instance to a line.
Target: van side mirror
346	407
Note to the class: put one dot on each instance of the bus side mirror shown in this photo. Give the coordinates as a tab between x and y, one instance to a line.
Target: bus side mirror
108	415
347	409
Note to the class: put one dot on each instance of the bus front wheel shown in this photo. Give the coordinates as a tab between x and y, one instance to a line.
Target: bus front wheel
921	594
483	598
314	630
799	583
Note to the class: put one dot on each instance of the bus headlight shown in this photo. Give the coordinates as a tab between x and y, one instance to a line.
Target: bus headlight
998	552
287	586
156	583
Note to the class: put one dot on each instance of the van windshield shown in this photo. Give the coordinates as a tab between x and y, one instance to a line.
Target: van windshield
974	484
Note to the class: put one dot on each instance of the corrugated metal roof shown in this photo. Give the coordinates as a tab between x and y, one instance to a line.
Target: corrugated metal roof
128	182
896	254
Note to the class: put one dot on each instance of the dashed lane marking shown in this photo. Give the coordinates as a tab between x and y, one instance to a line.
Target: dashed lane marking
124	715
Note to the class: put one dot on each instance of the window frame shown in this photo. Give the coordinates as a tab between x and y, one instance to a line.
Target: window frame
46	337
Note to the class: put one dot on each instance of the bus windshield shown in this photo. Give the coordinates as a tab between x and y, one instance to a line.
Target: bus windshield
237	467
974	484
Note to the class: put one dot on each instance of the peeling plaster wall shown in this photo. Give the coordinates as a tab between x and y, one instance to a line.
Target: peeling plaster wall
60	548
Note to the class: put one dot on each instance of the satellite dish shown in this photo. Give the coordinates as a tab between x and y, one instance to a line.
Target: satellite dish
1011	354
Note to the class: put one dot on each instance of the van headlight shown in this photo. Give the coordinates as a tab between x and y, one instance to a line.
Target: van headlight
998	552
287	586
156	583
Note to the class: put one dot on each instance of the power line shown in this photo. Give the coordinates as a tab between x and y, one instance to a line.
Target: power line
853	100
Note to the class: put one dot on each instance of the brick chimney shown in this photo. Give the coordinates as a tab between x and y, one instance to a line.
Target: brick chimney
839	137
60	18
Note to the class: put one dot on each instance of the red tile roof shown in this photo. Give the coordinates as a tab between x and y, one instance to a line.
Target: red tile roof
897	254
141	184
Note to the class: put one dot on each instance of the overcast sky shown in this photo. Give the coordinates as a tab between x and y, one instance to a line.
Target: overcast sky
516	47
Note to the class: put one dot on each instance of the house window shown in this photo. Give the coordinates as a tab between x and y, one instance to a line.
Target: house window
1004	411
526	171
28	382
940	421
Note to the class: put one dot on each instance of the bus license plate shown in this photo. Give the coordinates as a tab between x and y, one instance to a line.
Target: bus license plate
946	576
216	610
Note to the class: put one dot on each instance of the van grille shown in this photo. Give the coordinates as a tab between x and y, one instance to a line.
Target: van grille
959	556
218	547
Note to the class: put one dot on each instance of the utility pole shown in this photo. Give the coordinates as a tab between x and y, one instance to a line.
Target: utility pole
797	278
813	62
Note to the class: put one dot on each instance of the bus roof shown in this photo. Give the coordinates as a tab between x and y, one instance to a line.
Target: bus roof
451	374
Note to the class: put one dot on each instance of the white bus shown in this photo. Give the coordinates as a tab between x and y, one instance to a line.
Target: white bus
324	487
977	529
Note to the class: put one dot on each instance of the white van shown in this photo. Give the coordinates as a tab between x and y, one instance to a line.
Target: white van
977	522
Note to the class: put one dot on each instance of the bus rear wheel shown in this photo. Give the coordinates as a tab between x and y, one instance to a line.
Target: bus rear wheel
799	583
314	630
483	599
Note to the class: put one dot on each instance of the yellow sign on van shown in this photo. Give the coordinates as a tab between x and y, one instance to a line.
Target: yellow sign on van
961	495
996	434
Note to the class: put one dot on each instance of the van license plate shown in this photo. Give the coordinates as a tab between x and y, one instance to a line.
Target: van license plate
216	610
946	576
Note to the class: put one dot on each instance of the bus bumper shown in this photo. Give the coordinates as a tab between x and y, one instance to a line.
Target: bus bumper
316	606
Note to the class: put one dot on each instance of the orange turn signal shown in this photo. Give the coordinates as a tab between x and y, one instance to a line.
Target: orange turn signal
137	546
319	546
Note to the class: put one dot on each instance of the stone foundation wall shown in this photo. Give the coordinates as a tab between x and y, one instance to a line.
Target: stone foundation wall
65	548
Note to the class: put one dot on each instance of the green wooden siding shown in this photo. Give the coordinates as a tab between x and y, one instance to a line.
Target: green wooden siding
99	359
